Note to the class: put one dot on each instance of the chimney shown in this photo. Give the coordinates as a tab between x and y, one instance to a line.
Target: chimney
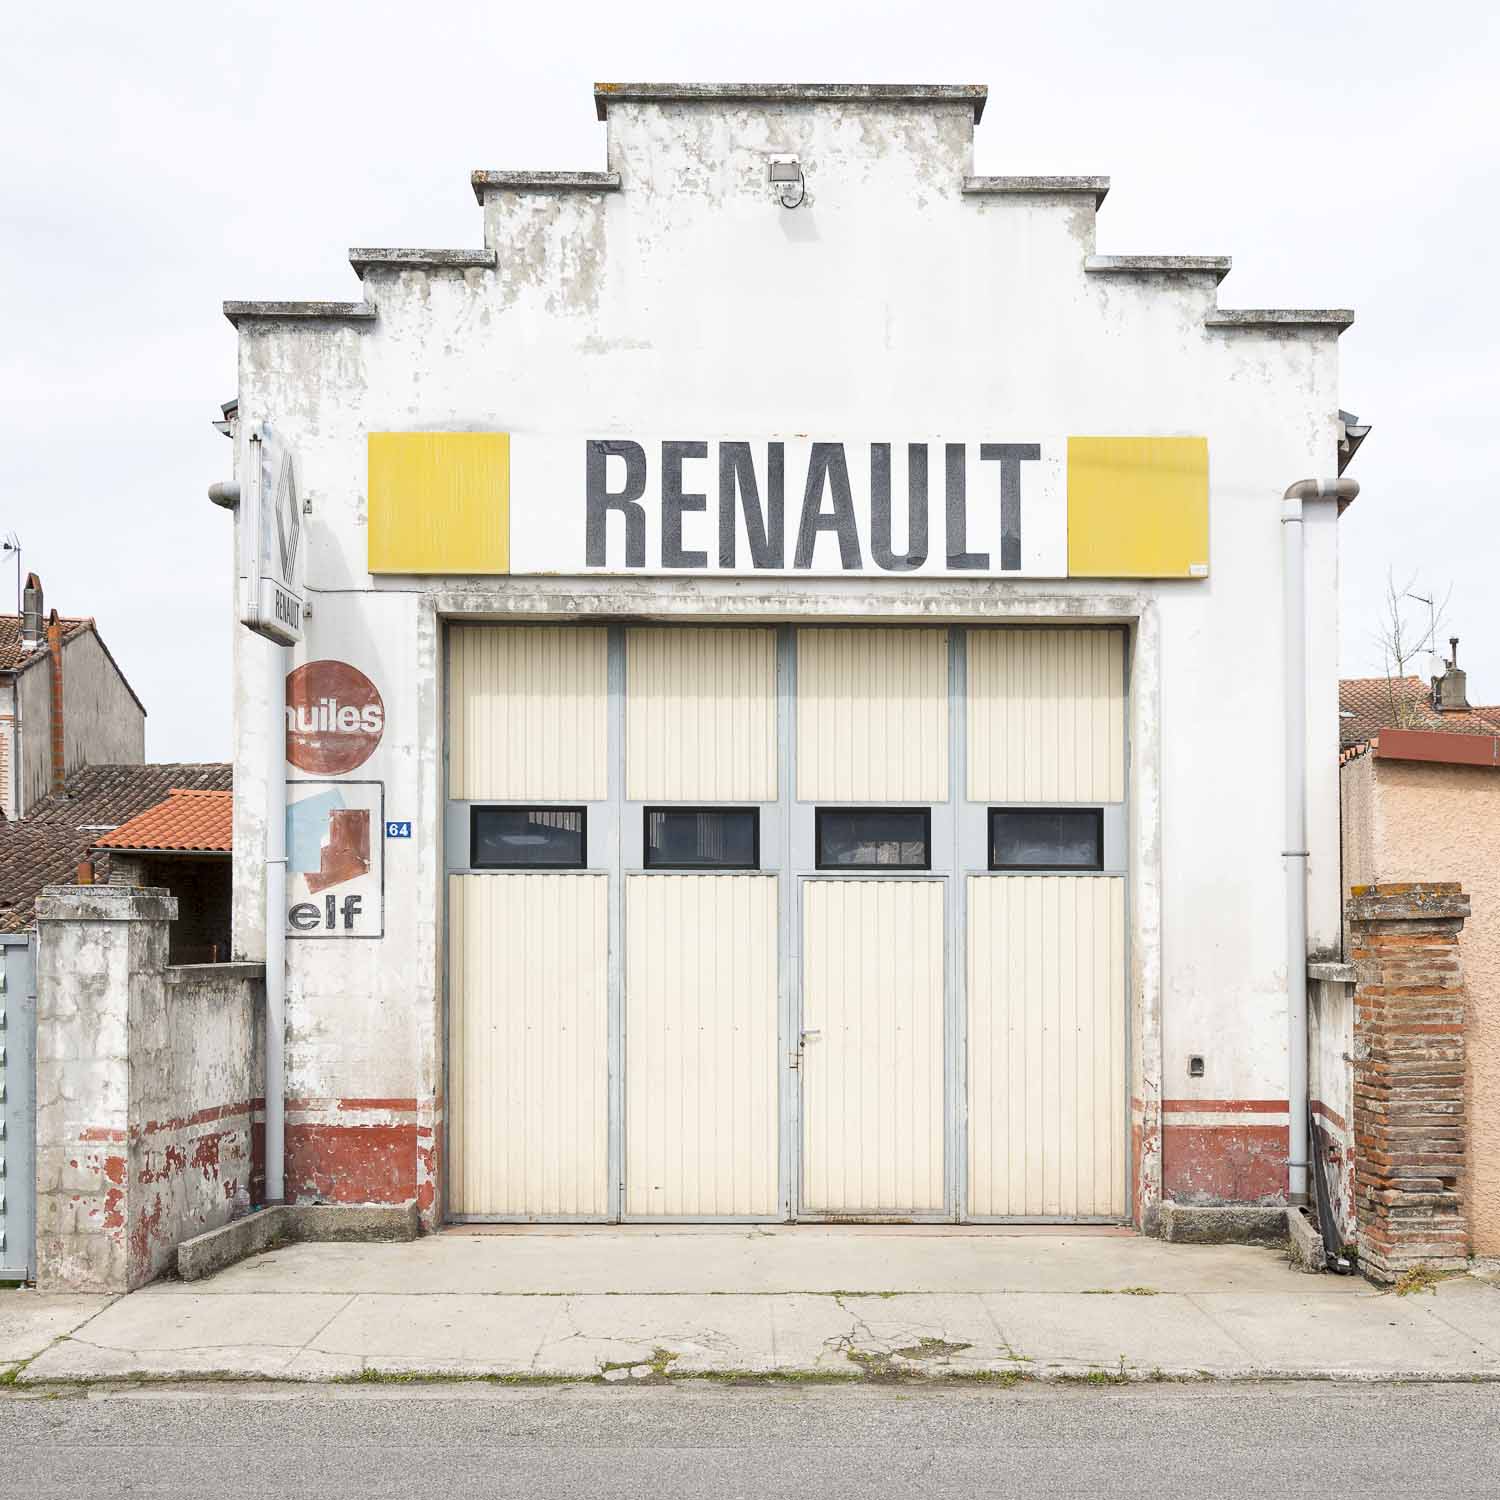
31	614
1450	691
55	644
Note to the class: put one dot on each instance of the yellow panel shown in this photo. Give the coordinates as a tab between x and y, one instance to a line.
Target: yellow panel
872	1066
1046	715
1046	1047
872	715
701	1122
439	502
528	712
1137	507
700	715
528	1056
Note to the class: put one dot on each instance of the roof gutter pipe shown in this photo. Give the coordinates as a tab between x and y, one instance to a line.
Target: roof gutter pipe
1294	847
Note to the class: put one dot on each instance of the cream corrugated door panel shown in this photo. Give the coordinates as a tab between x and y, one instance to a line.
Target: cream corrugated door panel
872	715
528	712
1046	1046
872	1079
700	715
1046	713
528	1045
701	1138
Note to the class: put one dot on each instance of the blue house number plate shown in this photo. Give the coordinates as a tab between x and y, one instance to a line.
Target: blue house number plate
398	830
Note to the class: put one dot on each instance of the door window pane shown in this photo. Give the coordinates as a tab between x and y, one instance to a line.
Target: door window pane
874	838
703	838
525	837
1046	838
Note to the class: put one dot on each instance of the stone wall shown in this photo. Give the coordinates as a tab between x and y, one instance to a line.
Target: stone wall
1409	1119
148	1083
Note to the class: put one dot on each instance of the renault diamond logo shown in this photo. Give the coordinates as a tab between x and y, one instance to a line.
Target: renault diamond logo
288	518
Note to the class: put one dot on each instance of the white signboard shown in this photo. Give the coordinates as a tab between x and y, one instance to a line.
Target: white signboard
271	541
991	506
335	859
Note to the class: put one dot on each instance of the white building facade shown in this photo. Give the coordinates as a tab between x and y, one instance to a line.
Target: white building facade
788	717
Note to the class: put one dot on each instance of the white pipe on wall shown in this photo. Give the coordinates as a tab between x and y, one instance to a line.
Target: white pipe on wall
276	932
1294	847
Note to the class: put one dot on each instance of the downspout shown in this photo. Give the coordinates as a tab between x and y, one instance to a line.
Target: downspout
1294	849
276	932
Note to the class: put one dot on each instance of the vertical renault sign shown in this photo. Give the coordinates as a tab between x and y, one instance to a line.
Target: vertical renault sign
271	542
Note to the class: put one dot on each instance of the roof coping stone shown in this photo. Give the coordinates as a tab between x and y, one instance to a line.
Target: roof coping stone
421	260
972	94
544	182
327	312
1338	318
1158	265
1094	187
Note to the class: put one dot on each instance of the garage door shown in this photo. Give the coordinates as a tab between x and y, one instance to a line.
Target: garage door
749	923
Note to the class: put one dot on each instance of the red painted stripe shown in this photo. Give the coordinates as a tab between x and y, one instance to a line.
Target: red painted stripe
334	1103
1331	1115
204	1116
100	1133
1225	1106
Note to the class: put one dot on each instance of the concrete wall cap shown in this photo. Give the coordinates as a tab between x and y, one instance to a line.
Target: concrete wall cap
1096	188
227	973
972	94
544	182
1332	973
327	312
421	260
1415	901
1217	266
1337	318
106	903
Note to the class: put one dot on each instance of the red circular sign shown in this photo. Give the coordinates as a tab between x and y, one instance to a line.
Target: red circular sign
334	717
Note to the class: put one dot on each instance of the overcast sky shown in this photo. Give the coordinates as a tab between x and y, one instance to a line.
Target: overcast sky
161	157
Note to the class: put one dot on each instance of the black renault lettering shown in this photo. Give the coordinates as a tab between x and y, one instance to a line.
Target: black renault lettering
959	557
674	502
916	508
303	916
1010	457
626	501
827	465
351	911
328	905
765	527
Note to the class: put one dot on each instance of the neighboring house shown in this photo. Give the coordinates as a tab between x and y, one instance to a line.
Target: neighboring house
64	704
183	845
1369	704
1420	800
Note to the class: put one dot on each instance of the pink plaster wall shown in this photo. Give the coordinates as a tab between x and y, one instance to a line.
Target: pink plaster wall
1413	820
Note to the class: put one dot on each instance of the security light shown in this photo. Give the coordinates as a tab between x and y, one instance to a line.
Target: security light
784	175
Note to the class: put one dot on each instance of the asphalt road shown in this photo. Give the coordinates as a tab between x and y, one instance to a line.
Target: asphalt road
1163	1441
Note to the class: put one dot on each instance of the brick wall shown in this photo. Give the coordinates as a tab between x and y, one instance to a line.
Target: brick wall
1409	1125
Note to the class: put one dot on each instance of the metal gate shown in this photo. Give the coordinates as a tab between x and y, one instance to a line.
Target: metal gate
17	1107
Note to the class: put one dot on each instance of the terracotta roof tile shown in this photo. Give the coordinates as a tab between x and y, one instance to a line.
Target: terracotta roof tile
1369	704
12	657
46	846
190	820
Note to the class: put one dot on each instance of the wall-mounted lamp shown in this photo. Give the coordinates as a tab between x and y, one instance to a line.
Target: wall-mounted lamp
784	175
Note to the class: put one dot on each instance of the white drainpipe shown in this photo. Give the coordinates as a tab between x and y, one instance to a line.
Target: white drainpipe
276	932
1294	850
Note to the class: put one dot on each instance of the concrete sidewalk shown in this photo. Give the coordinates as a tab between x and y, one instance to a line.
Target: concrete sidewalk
622	1304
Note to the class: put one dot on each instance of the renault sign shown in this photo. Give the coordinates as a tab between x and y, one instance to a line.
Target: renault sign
271	542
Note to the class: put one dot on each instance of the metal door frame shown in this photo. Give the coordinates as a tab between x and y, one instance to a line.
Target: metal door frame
17	1106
